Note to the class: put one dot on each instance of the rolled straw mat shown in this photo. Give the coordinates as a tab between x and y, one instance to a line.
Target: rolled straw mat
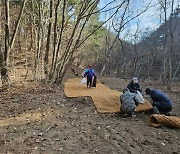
105	99
157	120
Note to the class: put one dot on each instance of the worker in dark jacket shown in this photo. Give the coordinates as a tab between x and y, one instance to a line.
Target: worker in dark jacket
134	85
161	103
89	73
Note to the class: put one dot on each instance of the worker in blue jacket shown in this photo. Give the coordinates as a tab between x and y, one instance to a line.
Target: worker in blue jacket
161	103
89	73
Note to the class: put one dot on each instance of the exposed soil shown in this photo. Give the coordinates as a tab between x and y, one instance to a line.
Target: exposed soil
57	124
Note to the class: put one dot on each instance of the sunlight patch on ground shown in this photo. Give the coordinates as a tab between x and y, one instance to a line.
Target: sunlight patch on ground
24	118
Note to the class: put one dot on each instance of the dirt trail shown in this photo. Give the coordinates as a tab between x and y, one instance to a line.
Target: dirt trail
104	98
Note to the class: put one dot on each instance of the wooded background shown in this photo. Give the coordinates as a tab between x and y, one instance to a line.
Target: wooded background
44	37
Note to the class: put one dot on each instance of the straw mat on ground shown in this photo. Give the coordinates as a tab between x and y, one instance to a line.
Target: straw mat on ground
105	99
146	106
157	120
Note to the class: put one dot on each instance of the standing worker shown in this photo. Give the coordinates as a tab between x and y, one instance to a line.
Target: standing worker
89	73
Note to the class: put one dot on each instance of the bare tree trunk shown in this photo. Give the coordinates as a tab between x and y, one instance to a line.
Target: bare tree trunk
39	47
17	24
33	38
107	49
1	14
136	58
32	25
163	4
46	57
3	69
60	39
124	59
55	40
103	68
6	52
176	71
10	45
1	19
169	84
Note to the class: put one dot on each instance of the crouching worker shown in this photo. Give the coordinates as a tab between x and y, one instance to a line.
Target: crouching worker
128	103
135	88
161	103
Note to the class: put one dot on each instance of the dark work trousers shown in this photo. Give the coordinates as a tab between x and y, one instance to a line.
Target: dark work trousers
89	82
162	109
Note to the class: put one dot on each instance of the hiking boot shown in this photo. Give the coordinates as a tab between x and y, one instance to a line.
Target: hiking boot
155	110
125	115
133	115
167	114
